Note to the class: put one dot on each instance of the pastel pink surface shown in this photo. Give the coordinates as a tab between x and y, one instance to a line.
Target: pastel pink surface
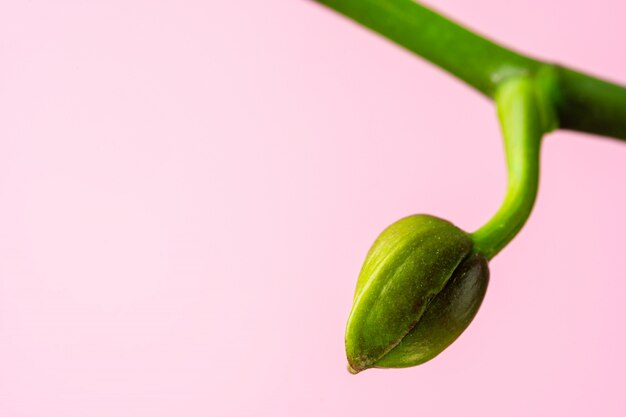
188	189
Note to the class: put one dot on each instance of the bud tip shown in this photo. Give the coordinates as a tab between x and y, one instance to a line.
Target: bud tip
352	370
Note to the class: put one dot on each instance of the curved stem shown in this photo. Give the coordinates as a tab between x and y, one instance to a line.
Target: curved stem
532	97
525	113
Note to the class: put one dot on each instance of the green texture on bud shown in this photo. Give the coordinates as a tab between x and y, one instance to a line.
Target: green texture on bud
419	288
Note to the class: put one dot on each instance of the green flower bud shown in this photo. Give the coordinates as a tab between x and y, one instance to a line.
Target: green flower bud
419	288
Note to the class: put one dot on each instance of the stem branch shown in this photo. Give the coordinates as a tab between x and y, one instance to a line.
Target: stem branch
586	103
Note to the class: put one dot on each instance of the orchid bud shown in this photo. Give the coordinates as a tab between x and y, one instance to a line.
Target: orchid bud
419	288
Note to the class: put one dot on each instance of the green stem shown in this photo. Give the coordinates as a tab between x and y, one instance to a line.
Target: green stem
591	105
525	109
532	97
472	58
586	103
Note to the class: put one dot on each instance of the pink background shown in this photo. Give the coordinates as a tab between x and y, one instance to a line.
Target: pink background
188	189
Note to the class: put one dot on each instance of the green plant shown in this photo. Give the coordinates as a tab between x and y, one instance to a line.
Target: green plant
424	279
